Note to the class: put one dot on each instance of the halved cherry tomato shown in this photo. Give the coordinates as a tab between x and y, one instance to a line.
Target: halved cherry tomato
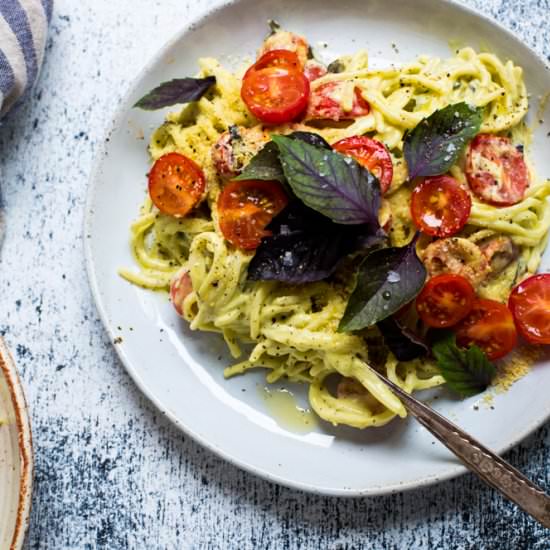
246	207
372	154
496	170
180	288
176	184
445	300
490	326
275	89
530	305
324	103
440	206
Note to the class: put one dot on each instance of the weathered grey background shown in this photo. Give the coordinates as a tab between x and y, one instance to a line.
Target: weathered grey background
110	471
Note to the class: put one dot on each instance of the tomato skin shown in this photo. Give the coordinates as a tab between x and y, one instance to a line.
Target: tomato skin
490	326
324	105
276	58
445	300
275	89
505	187
370	153
176	184
180	288
530	306
246	207
440	206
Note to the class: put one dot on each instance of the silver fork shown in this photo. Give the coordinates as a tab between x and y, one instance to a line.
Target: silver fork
492	469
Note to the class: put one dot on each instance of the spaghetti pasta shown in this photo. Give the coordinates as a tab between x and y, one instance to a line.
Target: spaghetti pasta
292	330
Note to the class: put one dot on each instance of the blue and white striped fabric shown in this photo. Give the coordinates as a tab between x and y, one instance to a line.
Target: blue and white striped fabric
23	26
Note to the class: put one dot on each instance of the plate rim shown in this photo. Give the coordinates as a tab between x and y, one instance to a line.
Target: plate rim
100	154
24	436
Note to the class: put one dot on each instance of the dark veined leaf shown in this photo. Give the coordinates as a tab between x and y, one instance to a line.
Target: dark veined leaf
387	279
466	371
402	342
178	90
335	185
306	246
312	138
433	146
265	165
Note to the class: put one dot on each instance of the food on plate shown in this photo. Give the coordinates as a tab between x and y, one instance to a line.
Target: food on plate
440	206
322	217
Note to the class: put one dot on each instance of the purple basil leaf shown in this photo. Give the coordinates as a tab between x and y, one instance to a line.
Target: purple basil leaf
306	246
312	138
179	90
335	185
402	342
265	165
433	146
387	279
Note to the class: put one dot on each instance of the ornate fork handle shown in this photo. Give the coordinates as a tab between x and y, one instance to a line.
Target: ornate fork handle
487	465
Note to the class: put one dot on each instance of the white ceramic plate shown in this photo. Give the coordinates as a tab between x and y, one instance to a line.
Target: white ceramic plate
16	460
181	372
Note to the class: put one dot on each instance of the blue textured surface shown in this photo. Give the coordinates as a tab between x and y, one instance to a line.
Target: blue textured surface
112	472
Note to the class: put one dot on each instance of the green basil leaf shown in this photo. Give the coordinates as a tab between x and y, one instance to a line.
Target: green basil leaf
435	144
466	371
178	90
335	185
387	279
265	165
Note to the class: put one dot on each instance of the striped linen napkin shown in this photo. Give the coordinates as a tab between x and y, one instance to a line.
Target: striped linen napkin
23	25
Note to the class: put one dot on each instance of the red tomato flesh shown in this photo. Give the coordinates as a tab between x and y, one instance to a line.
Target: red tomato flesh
176	184
246	207
324	103
490	326
496	170
530	305
314	70
445	300
180	288
440	206
370	153
275	88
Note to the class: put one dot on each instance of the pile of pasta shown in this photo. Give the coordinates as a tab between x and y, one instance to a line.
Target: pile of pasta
292	330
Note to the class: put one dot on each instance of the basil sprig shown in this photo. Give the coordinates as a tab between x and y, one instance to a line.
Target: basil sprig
330	183
466	371
265	165
178	90
386	280
306	246
433	146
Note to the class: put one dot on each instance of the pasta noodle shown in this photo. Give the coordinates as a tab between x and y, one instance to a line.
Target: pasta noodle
292	330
